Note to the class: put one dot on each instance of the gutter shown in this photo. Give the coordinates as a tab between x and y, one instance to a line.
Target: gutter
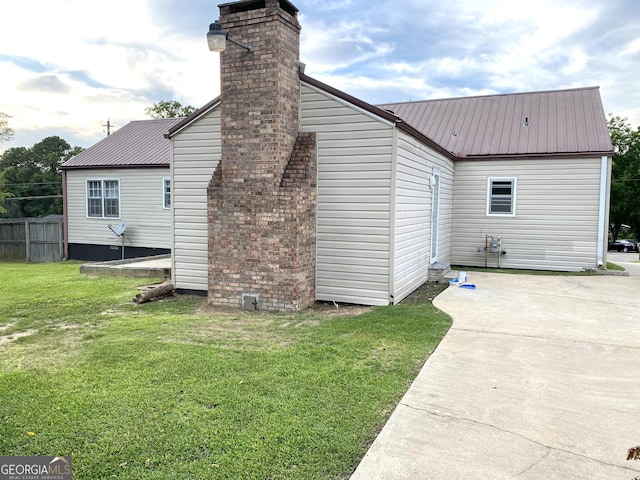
516	156
113	165
602	210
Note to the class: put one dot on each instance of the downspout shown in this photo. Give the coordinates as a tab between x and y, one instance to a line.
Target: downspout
65	217
173	211
607	214
602	211
392	218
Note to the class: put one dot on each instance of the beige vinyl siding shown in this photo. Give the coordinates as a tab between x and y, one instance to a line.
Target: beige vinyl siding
415	164
196	152
354	200
555	226
141	206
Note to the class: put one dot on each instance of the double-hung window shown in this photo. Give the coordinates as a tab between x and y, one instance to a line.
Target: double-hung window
501	197
103	198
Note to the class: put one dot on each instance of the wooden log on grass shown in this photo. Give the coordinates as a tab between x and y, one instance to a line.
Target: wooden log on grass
165	289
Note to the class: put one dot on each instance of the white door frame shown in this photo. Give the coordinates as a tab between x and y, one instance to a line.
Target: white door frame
435	215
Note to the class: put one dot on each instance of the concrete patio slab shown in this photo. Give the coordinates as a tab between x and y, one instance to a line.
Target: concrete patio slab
158	266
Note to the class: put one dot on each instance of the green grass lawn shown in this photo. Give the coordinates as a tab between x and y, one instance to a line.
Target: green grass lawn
176	389
614	267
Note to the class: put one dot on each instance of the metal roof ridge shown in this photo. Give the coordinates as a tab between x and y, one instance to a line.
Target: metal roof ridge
492	95
159	120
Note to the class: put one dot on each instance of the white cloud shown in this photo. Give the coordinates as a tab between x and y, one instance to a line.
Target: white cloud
330	47
72	65
97	66
630	49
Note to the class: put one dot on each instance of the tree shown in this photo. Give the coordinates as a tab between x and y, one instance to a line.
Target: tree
31	177
3	196
5	131
625	177
5	134
169	109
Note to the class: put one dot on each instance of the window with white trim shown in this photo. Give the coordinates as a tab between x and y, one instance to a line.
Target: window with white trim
501	196
103	198
166	193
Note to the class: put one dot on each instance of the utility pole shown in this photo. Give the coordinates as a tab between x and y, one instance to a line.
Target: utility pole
108	125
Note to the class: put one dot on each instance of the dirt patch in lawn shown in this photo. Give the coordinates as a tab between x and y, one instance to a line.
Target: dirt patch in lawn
11	337
250	329
426	293
51	344
330	309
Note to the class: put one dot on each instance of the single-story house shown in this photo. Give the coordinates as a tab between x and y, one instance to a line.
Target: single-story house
124	178
532	175
287	190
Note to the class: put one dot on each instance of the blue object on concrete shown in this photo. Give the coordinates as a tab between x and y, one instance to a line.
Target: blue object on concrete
468	285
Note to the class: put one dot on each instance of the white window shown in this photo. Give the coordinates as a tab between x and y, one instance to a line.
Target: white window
166	193
501	197
103	198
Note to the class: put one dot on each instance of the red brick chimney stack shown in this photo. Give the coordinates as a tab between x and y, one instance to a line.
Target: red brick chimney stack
262	195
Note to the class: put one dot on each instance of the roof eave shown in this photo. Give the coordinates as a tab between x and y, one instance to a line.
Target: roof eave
193	117
379	112
97	167
424	139
522	156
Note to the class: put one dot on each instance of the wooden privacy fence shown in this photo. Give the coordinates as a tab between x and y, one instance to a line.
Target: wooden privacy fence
32	239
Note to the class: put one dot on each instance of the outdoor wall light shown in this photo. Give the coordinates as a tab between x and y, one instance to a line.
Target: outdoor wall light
217	39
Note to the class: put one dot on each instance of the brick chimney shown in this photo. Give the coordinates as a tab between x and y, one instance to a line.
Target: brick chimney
262	197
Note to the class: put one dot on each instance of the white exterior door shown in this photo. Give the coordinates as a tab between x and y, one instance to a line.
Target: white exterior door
435	214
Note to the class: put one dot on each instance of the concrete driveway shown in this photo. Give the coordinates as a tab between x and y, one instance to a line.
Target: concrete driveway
538	378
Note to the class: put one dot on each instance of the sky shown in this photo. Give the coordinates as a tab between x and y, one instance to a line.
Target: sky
69	66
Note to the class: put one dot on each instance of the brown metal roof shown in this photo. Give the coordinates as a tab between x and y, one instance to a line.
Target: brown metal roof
140	143
560	122
538	123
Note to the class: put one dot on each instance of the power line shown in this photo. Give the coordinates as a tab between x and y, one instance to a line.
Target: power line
35	197
29	184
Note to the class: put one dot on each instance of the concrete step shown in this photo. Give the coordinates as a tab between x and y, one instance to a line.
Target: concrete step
438	272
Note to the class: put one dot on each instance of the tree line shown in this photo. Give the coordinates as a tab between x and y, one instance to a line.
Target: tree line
30	178
624	215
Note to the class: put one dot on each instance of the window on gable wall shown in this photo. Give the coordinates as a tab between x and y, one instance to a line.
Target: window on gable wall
166	193
103	198
501	197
